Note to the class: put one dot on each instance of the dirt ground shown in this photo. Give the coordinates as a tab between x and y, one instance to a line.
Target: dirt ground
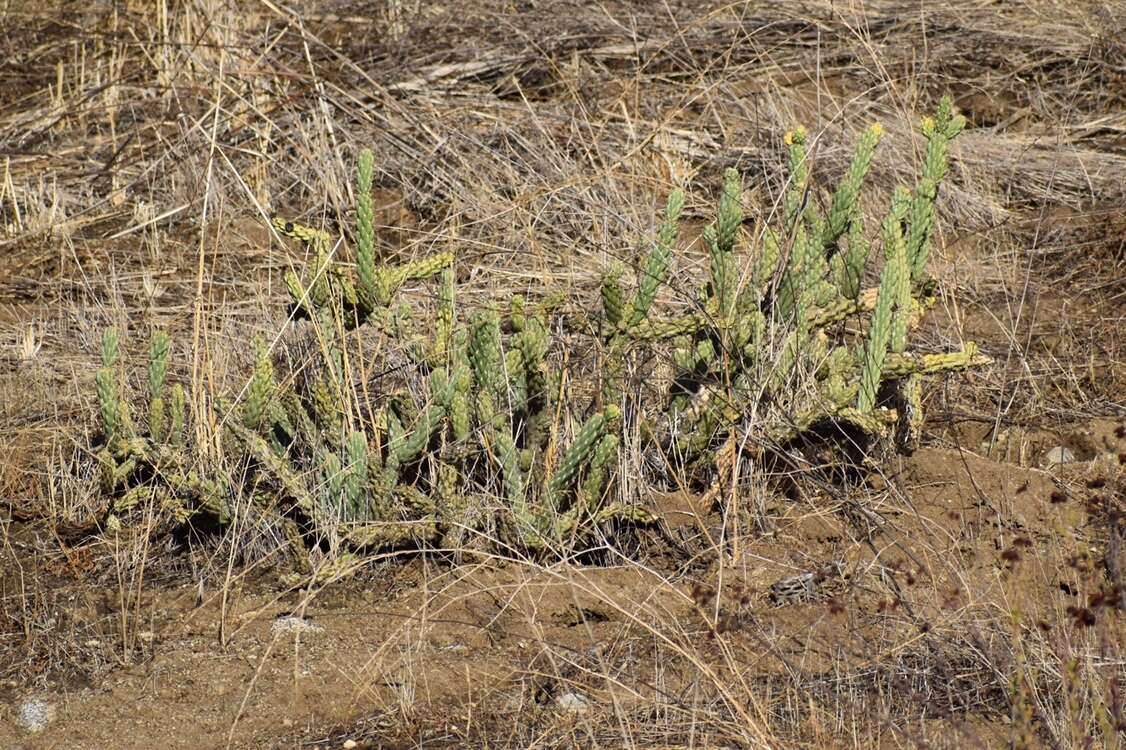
967	595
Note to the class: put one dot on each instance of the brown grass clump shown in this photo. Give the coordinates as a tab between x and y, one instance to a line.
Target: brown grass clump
968	595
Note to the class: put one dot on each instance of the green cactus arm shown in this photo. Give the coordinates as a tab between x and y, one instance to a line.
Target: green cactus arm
850	271
792	285
159	353
127	432
356	477
600	467
458	401
844	209
320	289
261	388
332	483
880	331
652	330
298	293
749	332
304	430
724	281
517	314
730	214
533	343
395	438
326	408
444	319
656	265
613	298
795	141
898	366
939	131
485	354
157	420
109	350
373	536
875	422
415	443
511	475
419	269
902	314
177	418
684	354
762	273
579	452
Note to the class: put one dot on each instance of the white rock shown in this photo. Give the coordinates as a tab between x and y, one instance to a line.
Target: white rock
35	714
575	702
293	624
1059	455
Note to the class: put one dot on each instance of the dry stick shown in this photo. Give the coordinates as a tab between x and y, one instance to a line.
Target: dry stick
197	395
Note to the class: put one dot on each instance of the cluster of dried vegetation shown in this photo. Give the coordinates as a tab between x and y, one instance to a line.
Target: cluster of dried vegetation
524	348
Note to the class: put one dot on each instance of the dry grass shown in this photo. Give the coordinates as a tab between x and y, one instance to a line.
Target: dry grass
144	146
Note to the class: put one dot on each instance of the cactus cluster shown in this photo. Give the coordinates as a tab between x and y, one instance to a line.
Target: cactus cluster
136	465
481	434
482	427
765	355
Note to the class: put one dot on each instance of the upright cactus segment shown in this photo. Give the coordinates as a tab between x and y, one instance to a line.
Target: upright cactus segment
600	466
332	478
485	356
939	131
356	478
365	232
632	321
796	196
849	265
613	298
515	489
461	379
261	388
656	264
720	241
845	209
766	265
444	320
579	454
158	370
414	443
888	302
